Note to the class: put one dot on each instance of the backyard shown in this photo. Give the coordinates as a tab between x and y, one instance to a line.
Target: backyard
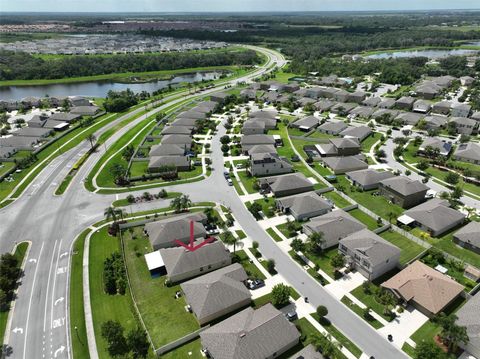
409	248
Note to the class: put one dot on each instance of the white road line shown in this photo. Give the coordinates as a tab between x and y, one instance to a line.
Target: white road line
30	304
67	297
53	287
48	286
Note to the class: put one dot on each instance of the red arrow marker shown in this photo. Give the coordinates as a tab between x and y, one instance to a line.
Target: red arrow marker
191	246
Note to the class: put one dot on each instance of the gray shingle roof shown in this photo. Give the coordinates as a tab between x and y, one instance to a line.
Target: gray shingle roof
345	164
344	143
369	177
404	185
177	130
250	334
288	182
177	161
257	140
177	139
309	352
263	114
468	316
218	290
180	261
304	203
436	143
262	149
333	126
469	234
308	122
469	151
371	246
184	121
166	150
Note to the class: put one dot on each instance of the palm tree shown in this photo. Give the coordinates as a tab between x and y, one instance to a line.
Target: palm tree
185	201
176	204
391	216
231	240
452	333
325	345
113	213
470	212
91	138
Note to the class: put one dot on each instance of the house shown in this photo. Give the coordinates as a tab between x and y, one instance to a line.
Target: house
220	97
184	141
271	86
386	103
261	149
409	118
64	117
421	106
206	107
164	232
217	293
286	185
251	127
263	114
19	142
435	122
181	163
405	103
268	122
79	101
248	94
434	216
85	110
426	289
357	96
342	108
468	152
469	237
33	132
372	101
434	143
466	81
248	141
464	126
182	264
443	81
340	165
309	352
6	152
338	147
314	92
303	206
442	107
328	92
306	124
460	110
262	333
369	254
368	179
468	317
333	226
263	164
361	111
332	128
192	114
428	90
177	130
403	191
185	122
31	101
37	121
341	95
323	105
166	150
358	133
472	273
291	87
384	112
475	116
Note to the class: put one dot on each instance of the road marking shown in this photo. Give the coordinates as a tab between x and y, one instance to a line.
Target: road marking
59	300
60	322
32	260
30	305
18	330
59	350
53	286
48	286
64	254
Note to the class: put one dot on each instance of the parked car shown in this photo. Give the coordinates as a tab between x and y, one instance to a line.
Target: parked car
291	316
230	182
226	174
255	283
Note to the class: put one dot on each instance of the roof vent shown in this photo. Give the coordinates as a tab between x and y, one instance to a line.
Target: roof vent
242	334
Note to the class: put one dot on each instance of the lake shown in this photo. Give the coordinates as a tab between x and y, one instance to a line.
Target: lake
99	88
431	54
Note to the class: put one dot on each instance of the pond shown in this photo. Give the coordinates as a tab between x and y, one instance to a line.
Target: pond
431	54
99	88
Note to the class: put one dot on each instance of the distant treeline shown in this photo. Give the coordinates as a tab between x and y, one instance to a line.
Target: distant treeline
22	66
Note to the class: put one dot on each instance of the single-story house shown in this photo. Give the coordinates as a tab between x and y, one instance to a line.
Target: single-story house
332	128
85	110
79	101
372	101
362	112
303	206
443	147
468	317
177	130
206	106
261	149
33	132
421	106
435	122
192	114
164	232
467	81
340	165
382	112
403	191
442	107
324	105
248	94
251	127
38	121
333	226
309	352
19	142
166	149
306	124
185	122
405	103
341	95
465	126
468	152
368	179
357	96
286	185
357	132
460	110
434	216
428	90
386	103
338	147
343	108
182	264
181	163
263	114
252	333
469	237
184	141
6	152
425	288
220	97
248	141
369	254
64	117
217	293
268	164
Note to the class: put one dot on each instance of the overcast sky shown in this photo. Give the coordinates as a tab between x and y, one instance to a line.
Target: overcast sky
230	5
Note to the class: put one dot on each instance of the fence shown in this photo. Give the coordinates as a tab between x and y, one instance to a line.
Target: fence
176	343
310	139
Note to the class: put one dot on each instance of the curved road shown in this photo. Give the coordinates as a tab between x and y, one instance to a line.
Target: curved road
39	326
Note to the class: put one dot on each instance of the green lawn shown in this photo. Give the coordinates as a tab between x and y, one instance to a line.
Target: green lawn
247	181
241	234
156	301
20	255
268	206
318	134
5	167
190	350
338	200
237	186
342	339
446	244
359	311
77	315
409	248
286	232
323	260
370	141
367	220
250	268
274	235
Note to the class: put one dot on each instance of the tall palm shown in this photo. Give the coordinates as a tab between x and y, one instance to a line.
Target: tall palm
113	213
185	201
176	204
231	240
91	138
326	346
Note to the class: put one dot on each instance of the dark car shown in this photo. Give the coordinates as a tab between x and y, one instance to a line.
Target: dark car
255	283
291	316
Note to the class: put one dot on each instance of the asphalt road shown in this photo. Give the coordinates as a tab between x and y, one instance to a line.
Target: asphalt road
39	327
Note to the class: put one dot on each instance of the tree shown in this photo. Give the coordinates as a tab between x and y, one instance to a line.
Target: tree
337	261
118	173
325	345
315	242
290	225
113	213
181	203
271	265
280	295
452	178
391	216
112	332
423	165
452	334
457	193
225	140
428	350
91	138
297	245
322	311
229	239
380	153
138	343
